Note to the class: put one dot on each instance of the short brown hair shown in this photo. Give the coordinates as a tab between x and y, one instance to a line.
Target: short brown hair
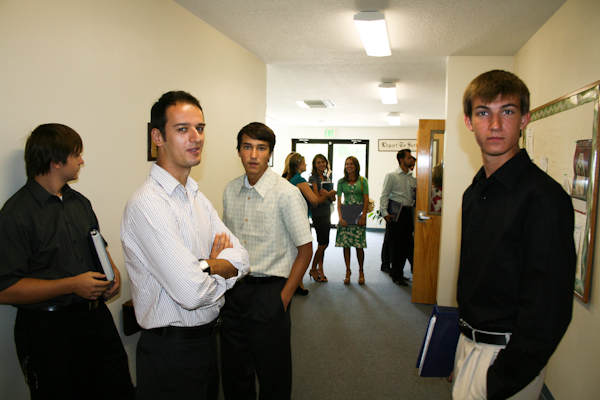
492	84
257	131
50	143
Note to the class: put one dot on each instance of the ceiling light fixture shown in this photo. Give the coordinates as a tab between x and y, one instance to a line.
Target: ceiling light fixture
393	118
387	90
373	33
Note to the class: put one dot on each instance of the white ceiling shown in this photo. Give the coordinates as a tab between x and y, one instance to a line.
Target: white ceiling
313	51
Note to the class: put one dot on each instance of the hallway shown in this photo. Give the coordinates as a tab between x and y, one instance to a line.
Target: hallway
359	342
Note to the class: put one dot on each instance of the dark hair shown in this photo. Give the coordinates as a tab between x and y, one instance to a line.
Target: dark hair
292	164
158	113
402	154
314	171
356	166
492	84
437	176
50	143
258	131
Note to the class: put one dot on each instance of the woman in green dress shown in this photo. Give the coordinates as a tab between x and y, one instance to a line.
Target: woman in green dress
355	190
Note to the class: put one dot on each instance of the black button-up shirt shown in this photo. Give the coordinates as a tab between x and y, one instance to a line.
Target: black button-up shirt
45	238
517	267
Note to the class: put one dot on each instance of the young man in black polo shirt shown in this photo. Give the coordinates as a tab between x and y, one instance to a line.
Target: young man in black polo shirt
517	261
66	340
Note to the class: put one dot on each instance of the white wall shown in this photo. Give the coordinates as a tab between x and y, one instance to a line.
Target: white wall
462	160
563	56
98	66
380	162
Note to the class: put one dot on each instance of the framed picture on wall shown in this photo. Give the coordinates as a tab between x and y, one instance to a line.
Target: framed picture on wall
562	138
397	144
152	149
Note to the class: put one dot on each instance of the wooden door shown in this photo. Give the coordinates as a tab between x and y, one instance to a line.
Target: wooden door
430	152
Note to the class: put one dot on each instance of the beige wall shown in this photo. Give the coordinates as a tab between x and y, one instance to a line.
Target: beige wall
98	66
563	56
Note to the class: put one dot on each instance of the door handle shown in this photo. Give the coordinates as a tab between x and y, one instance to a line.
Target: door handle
422	216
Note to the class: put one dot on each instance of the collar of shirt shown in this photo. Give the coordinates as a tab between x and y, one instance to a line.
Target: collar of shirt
41	195
508	173
169	183
262	185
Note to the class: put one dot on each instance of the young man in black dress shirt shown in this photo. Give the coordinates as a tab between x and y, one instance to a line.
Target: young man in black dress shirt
66	340
517	261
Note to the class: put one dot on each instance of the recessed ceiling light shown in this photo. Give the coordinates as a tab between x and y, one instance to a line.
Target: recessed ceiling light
387	91
393	118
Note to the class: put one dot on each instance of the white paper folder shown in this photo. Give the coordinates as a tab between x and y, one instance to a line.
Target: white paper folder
102	254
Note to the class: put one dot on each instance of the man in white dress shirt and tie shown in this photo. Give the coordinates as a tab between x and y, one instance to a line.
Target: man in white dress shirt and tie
180	258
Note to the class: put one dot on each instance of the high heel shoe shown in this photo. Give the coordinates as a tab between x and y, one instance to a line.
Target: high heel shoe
322	277
361	277
301	292
347	278
314	274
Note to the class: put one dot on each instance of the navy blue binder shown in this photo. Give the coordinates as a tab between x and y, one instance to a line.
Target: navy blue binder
436	357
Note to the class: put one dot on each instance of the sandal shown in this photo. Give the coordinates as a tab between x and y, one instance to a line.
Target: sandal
347	278
314	273
361	277
322	276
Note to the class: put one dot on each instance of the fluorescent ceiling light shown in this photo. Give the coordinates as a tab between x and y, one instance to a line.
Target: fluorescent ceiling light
373	33
393	118
387	90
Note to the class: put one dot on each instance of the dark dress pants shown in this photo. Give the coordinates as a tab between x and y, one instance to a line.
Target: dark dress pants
255	342
401	242
72	355
177	369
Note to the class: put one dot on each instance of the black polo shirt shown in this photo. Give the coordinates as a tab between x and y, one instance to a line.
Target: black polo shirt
517	267
44	237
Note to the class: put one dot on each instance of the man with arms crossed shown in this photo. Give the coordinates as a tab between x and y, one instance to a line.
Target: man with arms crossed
517	261
66	340
181	259
268	215
399	244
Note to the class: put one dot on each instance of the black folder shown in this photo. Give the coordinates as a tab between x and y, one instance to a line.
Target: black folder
394	208
327	186
436	357
351	213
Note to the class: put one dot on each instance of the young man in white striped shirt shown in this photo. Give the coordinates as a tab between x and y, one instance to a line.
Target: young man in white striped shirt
181	259
268	215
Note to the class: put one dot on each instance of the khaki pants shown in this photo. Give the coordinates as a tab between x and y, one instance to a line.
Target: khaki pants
470	372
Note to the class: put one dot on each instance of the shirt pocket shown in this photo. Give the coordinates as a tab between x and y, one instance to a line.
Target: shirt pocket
259	225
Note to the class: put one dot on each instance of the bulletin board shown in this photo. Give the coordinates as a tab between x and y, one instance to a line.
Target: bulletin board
562	140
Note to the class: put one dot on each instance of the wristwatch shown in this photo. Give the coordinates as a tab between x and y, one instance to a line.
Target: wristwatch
205	267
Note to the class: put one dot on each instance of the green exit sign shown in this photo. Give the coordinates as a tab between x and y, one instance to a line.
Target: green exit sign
330	133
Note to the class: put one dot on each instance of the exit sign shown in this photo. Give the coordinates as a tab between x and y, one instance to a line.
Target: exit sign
330	133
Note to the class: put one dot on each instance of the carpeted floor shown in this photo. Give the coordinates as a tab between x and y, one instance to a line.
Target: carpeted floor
359	341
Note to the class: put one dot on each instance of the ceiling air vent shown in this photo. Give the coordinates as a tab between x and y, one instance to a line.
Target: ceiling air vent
315	103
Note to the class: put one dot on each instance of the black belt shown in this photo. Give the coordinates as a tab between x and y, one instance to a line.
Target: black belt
258	280
194	332
481	337
82	306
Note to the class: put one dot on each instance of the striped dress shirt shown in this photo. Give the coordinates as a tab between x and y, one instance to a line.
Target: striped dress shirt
270	219
166	229
398	186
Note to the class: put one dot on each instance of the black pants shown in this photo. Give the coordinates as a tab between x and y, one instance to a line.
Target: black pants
255	342
177	369
72	355
400	242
